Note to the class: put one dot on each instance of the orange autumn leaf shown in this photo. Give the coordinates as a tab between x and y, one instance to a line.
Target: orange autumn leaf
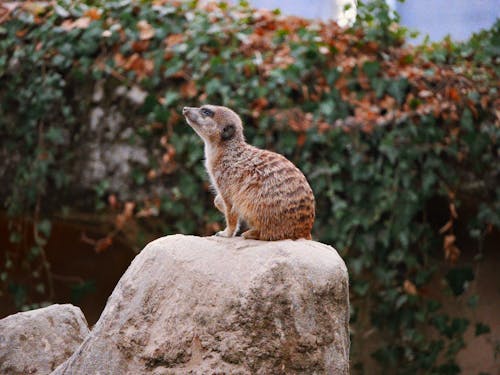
188	89
21	33
142	67
453	94
152	174
103	244
93	13
301	139
410	288
323	127
174	39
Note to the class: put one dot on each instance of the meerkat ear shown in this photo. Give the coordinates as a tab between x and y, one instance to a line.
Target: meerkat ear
228	132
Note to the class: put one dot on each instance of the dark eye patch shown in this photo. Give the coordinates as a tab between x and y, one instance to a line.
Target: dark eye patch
207	112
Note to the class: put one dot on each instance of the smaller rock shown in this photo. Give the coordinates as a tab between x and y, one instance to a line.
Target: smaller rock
37	341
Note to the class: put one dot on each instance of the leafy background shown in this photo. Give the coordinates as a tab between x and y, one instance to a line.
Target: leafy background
399	144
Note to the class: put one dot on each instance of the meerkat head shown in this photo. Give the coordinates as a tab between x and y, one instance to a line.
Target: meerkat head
215	124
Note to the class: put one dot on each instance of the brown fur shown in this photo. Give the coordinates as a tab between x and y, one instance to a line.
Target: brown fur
261	187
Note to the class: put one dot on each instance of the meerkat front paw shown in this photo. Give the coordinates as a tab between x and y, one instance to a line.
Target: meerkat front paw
223	233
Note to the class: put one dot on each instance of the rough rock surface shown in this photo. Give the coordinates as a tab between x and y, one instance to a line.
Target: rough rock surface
191	305
37	341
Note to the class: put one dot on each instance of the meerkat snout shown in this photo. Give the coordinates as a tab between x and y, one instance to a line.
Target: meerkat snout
260	187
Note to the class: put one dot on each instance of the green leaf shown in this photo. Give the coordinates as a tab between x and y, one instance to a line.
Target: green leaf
482	329
458	279
473	301
15	237
466	121
361	288
170	97
371	68
397	89
44	226
55	135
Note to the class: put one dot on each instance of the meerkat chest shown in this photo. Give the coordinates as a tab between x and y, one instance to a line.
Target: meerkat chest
224	168
218	166
210	158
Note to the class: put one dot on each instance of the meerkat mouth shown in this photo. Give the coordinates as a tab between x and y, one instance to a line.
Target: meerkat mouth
191	116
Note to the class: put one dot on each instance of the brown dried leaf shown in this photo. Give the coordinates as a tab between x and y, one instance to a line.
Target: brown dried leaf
451	251
146	31
446	227
140	45
148	212
10	5
451	254
425	94
174	39
449	240
103	244
410	288
82	23
128	211
323	127
142	67
36	7
152	174
301	139
164	141
21	33
324	50
188	89
113	201
120	220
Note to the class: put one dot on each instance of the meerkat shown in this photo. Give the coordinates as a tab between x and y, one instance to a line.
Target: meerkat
259	187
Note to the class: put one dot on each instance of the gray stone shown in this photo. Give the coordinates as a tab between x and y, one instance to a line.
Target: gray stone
37	341
191	305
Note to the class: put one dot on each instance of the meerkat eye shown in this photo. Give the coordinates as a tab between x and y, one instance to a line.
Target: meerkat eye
207	112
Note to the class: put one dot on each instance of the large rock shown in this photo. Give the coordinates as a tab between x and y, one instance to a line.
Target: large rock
190	305
37	341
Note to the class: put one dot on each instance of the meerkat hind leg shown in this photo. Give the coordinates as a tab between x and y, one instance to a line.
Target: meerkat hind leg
251	234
